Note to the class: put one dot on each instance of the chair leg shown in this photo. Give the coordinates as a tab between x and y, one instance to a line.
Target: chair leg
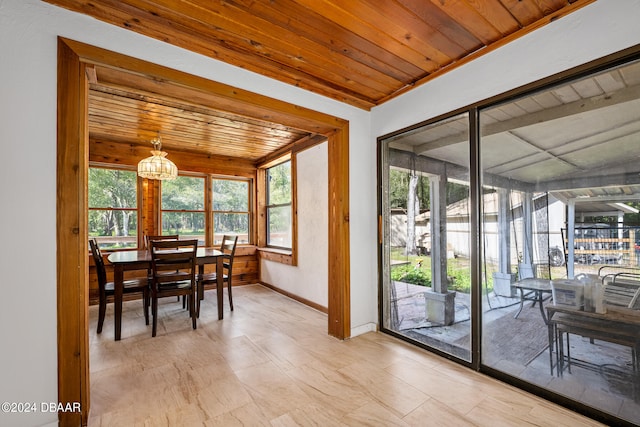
229	292
101	313
145	297
199	297
192	308
154	314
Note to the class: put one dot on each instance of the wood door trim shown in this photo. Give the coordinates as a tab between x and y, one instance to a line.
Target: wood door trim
72	157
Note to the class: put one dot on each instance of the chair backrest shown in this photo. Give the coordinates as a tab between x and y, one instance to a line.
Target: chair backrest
101	271
228	248
148	239
228	245
173	260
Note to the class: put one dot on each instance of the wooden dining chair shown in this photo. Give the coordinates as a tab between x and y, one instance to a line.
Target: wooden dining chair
148	239
228	248
173	267
106	289
147	246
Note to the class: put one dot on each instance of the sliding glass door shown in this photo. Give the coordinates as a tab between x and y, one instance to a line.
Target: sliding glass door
426	256
535	249
561	179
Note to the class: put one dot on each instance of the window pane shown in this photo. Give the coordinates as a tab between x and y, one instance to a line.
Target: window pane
279	223
113	216
231	223
229	195
427	248
279	184
186	224
114	229
112	188
183	193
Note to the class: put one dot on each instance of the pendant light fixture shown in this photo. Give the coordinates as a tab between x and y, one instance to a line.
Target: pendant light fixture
157	166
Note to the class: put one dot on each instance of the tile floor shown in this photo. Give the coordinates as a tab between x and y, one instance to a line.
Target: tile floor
271	363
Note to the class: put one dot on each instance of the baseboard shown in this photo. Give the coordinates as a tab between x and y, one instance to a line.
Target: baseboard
364	329
294	297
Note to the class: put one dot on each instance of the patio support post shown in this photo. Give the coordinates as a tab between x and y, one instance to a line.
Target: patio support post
503	278
525	266
527	218
440	304
438	233
571	235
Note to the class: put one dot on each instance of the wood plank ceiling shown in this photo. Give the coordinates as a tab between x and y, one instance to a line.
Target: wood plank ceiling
361	52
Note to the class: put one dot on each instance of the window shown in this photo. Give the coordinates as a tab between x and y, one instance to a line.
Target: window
278	205
230	207
183	207
113	207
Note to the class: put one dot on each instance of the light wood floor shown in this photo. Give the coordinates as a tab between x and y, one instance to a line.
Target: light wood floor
271	363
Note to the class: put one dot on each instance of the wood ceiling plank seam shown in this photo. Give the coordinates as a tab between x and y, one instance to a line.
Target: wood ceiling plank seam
387	25
428	12
549	6
213	113
410	27
261	37
175	136
323	31
246	60
103	151
220	130
524	11
356	25
177	115
182	132
223	97
496	14
278	31
470	19
577	4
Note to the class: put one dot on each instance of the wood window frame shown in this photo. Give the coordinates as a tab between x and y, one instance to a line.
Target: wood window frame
271	253
205	212
75	60
139	199
211	213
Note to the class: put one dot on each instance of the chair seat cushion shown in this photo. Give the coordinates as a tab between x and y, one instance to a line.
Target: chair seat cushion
183	284
210	277
130	285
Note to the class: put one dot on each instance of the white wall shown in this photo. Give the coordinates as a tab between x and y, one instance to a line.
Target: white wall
308	279
28	67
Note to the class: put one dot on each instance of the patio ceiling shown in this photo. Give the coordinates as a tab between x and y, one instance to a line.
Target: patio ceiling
577	140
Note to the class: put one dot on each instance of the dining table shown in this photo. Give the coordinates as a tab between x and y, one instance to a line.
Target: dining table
141	260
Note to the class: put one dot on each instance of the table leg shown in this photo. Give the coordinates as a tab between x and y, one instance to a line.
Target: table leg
539	299
118	280
220	285
568	354
551	332
560	353
521	303
199	288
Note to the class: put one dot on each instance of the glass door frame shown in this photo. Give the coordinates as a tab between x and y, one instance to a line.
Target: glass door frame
476	227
